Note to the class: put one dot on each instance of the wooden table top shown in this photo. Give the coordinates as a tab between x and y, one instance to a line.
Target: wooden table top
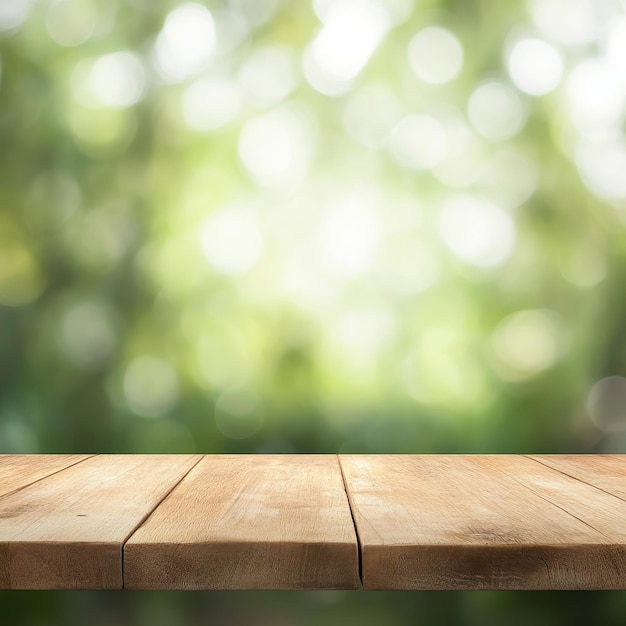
312	521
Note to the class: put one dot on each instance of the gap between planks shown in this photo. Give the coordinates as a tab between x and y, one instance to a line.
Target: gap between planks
45	542
356	530
538	459
44	476
149	513
546	499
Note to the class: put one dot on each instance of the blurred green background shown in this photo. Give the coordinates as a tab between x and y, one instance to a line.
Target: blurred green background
338	226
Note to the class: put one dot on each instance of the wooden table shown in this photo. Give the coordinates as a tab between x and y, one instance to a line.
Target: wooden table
312	522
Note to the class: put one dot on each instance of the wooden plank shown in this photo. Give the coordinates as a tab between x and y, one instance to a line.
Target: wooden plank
599	509
19	470
605	471
66	531
481	522
249	522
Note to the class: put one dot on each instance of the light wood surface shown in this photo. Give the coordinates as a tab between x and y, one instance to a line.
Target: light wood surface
482	522
19	470
249	522
67	530
604	471
310	521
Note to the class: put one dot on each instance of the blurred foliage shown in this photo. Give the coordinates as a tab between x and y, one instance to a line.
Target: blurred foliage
352	225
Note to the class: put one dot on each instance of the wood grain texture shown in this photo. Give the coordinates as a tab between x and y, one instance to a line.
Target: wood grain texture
604	471
19	470
249	522
67	530
482	522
